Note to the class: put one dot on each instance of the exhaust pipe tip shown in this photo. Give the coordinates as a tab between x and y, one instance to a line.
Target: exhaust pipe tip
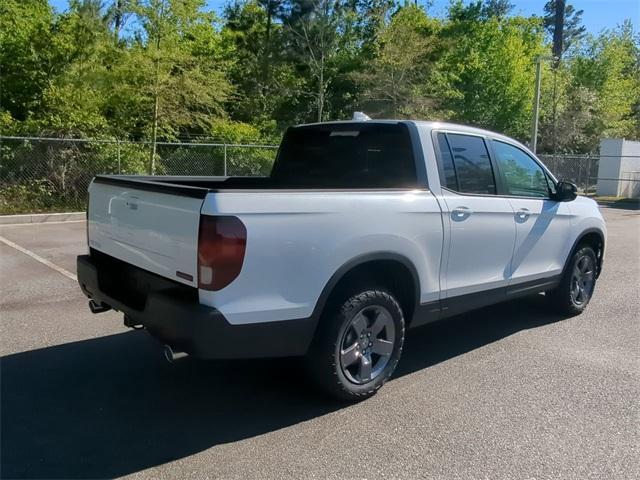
172	355
96	307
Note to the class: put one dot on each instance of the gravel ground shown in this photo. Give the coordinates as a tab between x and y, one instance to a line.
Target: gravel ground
510	391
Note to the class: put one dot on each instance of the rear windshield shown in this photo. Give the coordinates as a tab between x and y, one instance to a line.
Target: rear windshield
346	156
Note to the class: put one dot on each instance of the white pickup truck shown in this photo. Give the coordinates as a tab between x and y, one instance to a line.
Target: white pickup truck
362	230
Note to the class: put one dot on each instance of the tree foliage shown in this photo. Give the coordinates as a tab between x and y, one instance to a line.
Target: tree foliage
171	69
395	82
487	76
597	93
571	21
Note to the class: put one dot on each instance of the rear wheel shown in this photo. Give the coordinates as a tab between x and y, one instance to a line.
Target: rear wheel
573	294
358	345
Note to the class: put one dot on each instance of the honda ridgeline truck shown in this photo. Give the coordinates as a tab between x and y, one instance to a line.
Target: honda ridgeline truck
363	230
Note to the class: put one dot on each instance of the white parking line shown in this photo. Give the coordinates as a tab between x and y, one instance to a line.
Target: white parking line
38	258
39	223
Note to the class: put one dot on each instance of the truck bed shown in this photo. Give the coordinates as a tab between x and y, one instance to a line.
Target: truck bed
198	187
192	186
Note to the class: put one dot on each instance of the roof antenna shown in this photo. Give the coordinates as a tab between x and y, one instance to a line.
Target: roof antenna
360	117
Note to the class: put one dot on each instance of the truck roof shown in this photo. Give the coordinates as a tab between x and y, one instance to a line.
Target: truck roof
428	124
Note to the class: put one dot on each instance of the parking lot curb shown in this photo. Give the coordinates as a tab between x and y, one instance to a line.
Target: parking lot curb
624	204
41	218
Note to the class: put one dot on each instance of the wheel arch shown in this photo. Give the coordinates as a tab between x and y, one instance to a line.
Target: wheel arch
401	271
593	237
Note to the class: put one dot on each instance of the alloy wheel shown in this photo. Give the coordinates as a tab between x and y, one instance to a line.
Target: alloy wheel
367	344
582	280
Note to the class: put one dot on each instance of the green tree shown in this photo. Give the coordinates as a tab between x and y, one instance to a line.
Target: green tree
314	28
563	23
265	80
486	75
117	14
614	63
72	104
396	79
598	93
26	64
176	71
178	60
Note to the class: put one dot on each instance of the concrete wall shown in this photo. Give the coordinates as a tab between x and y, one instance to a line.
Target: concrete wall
618	167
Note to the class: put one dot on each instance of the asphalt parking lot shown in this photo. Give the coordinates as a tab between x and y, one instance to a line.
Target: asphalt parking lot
510	391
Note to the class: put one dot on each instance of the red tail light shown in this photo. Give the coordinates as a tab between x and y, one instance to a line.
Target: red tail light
221	246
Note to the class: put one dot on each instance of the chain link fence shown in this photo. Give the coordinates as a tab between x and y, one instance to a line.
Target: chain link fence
50	174
583	170
579	169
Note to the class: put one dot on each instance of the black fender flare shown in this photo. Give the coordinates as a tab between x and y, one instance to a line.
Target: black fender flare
579	240
354	263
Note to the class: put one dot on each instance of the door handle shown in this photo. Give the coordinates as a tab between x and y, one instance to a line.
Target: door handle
461	213
522	214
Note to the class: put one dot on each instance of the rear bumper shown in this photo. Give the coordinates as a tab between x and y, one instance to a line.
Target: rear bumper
200	330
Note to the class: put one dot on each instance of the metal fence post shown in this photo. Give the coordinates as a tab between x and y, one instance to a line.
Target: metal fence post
579	171
225	159
588	177
118	152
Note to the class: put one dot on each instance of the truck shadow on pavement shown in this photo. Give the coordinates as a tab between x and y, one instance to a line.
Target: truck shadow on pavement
111	406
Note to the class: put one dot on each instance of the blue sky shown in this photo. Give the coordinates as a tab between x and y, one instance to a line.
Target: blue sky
598	14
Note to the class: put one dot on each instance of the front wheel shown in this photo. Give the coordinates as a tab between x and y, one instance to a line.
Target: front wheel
576	287
358	345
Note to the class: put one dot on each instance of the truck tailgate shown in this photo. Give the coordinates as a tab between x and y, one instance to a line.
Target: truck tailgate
151	226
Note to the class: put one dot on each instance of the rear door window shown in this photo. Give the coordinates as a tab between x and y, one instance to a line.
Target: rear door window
471	164
447	169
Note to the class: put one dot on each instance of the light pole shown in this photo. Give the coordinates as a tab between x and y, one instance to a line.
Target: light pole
536	102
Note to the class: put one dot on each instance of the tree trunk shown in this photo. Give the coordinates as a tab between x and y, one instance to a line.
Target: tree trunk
268	29
558	31
154	128
265	61
117	20
156	95
554	111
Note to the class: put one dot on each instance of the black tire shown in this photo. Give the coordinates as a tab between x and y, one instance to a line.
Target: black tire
564	298
333	347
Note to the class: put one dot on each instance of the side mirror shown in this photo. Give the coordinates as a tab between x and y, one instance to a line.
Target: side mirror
566	191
